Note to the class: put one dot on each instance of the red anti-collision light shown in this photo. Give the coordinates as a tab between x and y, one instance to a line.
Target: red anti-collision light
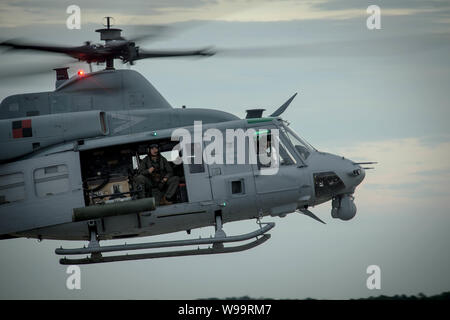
81	73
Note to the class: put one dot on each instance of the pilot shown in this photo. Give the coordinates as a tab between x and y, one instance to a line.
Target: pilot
156	172
264	151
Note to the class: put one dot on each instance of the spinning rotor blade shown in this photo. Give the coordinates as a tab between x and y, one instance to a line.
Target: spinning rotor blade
146	33
18	70
364	47
146	54
75	52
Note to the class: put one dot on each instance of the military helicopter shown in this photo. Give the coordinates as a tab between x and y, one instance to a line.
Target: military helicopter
69	159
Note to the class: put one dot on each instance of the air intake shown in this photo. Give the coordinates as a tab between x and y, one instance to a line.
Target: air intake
254	113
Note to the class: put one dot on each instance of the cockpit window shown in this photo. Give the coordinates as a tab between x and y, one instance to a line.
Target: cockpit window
301	146
286	157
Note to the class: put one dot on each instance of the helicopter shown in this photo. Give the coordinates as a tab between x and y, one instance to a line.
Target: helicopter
69	160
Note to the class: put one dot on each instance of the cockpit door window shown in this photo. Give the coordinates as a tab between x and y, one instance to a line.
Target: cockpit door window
267	151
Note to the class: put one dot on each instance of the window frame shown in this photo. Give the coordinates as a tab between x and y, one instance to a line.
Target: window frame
283	132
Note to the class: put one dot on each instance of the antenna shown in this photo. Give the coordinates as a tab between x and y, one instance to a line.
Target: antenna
108	22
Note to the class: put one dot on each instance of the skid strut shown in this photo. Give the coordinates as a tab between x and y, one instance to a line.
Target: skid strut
96	258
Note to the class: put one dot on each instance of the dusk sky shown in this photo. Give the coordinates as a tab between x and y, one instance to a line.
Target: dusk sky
369	95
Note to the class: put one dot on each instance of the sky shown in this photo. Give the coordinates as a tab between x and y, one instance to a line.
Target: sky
369	95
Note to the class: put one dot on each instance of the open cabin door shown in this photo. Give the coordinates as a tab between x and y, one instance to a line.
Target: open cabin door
39	192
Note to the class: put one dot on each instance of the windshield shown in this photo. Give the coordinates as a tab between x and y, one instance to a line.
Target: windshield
302	147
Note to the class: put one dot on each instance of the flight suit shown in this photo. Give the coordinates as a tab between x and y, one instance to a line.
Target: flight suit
148	180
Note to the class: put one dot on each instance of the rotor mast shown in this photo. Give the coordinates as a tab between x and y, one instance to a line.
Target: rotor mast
109	34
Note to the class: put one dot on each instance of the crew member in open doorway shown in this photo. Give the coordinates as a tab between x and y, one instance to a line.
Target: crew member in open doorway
156	172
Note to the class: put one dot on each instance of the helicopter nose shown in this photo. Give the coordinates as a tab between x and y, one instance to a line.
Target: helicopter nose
361	176
357	175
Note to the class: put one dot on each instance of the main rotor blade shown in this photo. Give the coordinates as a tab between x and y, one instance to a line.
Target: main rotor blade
15	71
146	54
145	33
16	45
366	47
82	53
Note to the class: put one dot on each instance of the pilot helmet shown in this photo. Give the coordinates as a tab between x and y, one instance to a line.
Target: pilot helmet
153	145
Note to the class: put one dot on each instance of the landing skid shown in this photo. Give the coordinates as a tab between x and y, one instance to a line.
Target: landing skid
96	251
154	255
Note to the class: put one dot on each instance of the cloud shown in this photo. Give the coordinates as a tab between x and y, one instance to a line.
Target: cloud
383	4
27	12
131	6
